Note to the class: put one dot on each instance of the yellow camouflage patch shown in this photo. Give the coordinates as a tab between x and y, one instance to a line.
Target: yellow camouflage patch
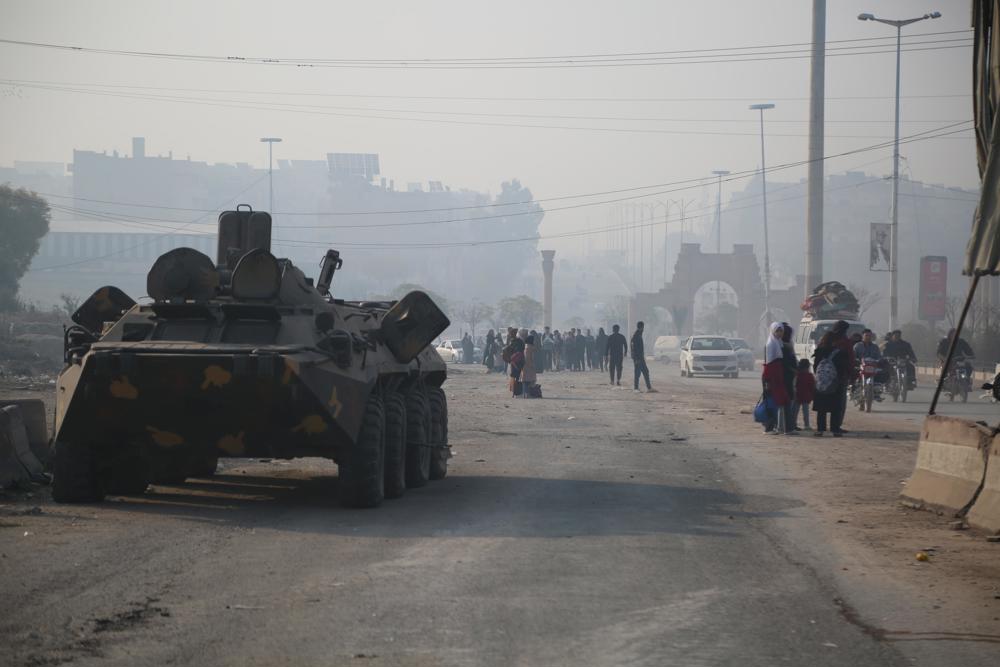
164	438
122	388
291	368
335	405
216	376
311	425
232	444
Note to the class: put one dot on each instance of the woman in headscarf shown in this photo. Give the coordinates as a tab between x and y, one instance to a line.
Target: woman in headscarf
773	378
517	360
790	365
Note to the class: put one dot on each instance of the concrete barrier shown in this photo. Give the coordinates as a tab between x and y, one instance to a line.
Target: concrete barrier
17	462
985	512
36	423
951	464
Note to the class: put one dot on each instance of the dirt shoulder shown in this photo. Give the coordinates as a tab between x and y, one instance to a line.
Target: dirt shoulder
855	525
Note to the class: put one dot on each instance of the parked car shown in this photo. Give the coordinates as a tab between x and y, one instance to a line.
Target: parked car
709	355
450	350
666	348
743	353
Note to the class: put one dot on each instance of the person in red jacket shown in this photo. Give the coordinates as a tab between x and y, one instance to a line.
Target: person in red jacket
805	392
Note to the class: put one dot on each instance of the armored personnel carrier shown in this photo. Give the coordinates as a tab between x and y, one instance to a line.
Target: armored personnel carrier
245	356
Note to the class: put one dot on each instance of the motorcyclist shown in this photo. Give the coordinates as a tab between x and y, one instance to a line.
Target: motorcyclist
902	350
867	348
962	349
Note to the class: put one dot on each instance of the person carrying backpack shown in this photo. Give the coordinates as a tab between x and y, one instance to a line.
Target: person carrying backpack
833	364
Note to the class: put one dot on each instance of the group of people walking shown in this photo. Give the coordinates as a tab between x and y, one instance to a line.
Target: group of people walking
525	353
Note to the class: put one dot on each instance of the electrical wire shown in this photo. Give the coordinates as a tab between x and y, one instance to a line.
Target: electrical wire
452	98
688	56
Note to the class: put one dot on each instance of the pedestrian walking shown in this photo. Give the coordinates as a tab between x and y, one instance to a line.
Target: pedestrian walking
615	351
548	345
805	392
600	345
490	351
529	371
833	363
558	349
790	367
467	349
773	378
639	359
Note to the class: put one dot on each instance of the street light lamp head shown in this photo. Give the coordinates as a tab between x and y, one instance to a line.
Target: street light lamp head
933	15
761	107
720	172
270	140
866	17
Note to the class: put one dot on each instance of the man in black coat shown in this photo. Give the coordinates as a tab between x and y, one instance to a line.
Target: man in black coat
639	359
615	351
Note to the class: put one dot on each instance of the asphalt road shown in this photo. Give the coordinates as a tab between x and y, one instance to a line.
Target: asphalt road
581	529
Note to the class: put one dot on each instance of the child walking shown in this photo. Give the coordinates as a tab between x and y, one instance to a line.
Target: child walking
805	392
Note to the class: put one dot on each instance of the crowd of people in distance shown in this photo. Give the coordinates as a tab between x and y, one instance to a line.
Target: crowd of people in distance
791	387
525	353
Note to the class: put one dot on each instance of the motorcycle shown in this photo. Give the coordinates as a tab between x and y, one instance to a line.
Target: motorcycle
866	390
993	388
959	379
898	385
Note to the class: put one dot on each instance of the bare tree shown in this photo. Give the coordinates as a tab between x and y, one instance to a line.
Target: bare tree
866	298
473	313
70	302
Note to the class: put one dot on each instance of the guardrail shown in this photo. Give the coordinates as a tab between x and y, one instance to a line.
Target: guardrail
980	374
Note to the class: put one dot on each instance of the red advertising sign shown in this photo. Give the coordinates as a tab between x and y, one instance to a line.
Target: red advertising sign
933	287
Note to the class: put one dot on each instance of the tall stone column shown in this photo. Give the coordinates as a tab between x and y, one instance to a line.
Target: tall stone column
547	266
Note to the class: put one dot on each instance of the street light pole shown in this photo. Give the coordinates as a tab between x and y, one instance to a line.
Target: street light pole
894	226
763	185
270	141
718	229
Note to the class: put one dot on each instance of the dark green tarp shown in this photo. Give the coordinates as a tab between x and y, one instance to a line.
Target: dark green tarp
983	254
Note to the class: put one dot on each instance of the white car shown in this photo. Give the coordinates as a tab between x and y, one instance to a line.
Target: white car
450	350
709	355
666	348
743	353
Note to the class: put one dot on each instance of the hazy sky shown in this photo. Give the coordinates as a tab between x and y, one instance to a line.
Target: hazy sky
47	125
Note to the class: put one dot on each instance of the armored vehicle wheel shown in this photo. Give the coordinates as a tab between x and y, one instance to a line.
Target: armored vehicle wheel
204	466
418	438
127	476
362	466
395	445
440	452
74	474
168	467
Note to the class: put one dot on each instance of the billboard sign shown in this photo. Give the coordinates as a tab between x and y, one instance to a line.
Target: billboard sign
933	287
881	237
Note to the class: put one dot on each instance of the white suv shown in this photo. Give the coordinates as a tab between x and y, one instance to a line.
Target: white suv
709	355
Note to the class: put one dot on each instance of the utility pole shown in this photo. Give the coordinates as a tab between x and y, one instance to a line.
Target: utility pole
817	102
270	141
718	231
894	226
763	184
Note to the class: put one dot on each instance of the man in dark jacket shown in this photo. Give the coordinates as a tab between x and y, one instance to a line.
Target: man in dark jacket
899	349
601	346
639	359
615	351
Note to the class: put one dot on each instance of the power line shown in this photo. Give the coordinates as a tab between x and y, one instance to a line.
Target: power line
279	106
453	98
693	56
256	106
